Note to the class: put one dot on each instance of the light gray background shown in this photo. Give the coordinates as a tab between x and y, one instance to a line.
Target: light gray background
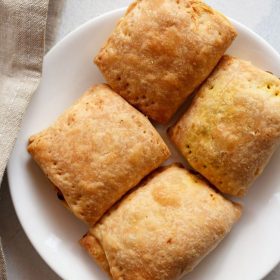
22	260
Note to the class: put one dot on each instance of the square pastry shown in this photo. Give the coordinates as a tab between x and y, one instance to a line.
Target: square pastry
96	151
161	50
163	229
232	127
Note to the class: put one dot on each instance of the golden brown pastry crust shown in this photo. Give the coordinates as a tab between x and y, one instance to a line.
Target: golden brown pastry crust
161	50
233	125
91	244
97	150
163	229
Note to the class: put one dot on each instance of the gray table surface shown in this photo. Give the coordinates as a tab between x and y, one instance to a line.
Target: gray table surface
22	260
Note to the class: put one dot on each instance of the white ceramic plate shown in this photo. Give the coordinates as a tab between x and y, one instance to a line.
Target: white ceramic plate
249	252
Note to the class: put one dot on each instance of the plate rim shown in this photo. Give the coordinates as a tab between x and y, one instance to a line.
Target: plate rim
64	41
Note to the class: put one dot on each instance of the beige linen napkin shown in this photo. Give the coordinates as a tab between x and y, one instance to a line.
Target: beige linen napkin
22	36
22	47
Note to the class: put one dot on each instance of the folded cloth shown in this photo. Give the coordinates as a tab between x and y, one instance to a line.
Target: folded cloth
23	25
22	40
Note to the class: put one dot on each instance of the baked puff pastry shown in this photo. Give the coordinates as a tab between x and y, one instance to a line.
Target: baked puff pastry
232	127
163	229
96	151
161	50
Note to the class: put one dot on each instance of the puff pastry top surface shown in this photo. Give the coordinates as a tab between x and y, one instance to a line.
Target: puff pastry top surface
162	229
97	150
233	126
161	50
